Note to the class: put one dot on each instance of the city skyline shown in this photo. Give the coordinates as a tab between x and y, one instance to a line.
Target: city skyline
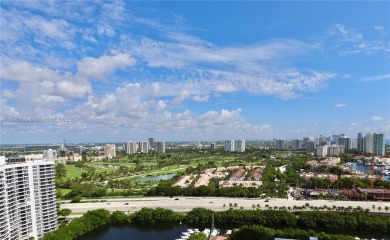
117	71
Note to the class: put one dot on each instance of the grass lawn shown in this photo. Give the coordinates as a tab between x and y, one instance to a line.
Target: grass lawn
63	191
72	171
100	169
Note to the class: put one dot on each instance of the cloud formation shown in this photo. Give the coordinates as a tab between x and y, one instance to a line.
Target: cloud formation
340	105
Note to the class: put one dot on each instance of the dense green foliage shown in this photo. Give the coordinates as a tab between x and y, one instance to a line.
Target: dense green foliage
311	219
159	215
201	216
79	226
263	233
334	220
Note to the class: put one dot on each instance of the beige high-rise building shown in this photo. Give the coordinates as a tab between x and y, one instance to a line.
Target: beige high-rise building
160	147
143	147
110	150
131	147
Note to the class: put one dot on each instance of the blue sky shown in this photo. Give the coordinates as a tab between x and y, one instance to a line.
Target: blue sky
186	70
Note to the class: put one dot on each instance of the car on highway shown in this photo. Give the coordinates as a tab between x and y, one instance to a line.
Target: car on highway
127	203
176	199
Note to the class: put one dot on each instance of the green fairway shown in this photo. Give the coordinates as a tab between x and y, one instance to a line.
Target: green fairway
72	171
63	191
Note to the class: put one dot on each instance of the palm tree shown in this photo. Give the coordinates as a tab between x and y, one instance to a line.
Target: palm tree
253	206
235	205
373	207
224	205
379	209
387	208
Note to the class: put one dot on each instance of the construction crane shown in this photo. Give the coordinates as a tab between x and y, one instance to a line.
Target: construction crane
372	171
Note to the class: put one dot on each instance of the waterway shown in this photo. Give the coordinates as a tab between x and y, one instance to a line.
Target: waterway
155	178
173	231
366	169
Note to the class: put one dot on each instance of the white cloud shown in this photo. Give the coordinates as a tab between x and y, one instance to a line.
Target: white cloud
25	72
376	118
73	89
99	68
353	42
379	28
376	78
347	76
198	98
340	105
225	88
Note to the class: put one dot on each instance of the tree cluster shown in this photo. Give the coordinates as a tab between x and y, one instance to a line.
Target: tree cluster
256	232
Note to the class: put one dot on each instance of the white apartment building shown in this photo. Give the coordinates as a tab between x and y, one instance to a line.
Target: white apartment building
131	147
50	153
110	150
330	150
239	145
27	198
160	147
235	146
143	147
229	146
322	151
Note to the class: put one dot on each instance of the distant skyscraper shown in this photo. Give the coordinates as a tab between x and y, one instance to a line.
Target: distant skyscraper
336	149
379	144
229	146
311	145
306	139
296	144
369	143
239	145
160	147
27	199
143	147
110	150
335	139
359	135
151	143
131	147
280	144
345	141
213	146
360	144
322	151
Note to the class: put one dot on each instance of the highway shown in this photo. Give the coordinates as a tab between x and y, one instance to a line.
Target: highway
185	204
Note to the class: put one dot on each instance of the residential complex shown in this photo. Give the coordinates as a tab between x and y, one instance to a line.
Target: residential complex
110	150
160	147
235	146
131	147
143	147
27	198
